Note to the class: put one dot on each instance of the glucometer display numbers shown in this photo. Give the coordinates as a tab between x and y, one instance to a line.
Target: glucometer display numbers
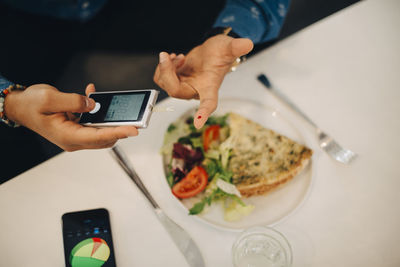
124	107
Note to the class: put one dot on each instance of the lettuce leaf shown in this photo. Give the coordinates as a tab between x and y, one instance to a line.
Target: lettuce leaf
174	132
235	209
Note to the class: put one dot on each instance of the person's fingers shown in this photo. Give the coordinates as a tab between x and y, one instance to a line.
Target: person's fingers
71	116
167	77
71	136
156	74
179	61
168	80
56	101
180	57
71	147
90	137
90	88
241	46
100	146
208	103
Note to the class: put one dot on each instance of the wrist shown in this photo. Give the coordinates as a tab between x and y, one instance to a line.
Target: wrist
8	101
221	30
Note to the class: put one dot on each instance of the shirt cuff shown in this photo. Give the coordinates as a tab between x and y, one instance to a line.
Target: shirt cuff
260	21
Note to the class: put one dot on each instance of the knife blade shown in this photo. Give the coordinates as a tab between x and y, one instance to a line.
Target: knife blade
181	238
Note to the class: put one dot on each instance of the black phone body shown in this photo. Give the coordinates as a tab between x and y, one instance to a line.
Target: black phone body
118	108
87	239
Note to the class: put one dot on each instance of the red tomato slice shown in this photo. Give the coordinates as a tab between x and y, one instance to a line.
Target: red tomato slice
194	182
209	135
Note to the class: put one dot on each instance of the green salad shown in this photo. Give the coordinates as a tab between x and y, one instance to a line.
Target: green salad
198	166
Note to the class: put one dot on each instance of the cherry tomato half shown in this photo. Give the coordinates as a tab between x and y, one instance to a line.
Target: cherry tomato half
209	135
194	182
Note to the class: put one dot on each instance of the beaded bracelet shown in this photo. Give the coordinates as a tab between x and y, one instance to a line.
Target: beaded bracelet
3	94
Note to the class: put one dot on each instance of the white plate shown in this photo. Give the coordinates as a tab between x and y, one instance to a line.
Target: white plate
275	206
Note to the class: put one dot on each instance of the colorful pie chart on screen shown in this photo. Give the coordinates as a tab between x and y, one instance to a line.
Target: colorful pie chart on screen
91	252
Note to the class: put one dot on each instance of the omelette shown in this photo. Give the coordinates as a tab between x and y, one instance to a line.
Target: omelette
261	159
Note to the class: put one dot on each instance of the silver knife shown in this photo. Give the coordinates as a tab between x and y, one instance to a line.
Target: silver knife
180	237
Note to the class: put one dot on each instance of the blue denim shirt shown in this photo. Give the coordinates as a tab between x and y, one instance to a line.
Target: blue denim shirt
259	20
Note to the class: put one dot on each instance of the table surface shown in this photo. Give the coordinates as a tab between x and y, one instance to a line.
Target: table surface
343	72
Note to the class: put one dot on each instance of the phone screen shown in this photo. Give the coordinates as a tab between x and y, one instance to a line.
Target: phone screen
117	107
87	239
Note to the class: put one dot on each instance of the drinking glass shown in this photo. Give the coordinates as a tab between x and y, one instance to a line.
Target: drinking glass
261	246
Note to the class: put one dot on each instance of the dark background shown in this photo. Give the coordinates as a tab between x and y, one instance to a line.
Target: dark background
117	49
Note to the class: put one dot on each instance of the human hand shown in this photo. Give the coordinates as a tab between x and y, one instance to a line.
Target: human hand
200	73
47	111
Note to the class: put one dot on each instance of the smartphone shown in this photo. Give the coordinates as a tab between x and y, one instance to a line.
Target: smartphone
117	108
87	239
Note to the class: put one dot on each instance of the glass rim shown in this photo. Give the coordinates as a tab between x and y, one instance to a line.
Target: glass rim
281	239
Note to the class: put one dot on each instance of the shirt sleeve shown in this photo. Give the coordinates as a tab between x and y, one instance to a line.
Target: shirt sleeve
4	83
258	20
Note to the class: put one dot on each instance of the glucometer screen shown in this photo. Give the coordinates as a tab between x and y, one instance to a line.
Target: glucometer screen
117	107
124	107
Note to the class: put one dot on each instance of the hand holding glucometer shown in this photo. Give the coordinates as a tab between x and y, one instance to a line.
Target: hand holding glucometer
119	108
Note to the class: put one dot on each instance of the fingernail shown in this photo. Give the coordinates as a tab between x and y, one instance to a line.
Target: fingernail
163	57
89	102
199	121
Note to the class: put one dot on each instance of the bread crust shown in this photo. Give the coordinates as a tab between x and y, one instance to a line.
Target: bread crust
261	188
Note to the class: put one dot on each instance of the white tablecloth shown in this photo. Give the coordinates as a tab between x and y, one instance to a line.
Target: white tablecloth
343	72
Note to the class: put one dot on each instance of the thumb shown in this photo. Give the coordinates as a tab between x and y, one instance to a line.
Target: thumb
66	102
90	89
241	46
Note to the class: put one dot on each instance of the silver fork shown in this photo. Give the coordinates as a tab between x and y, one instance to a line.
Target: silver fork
330	146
